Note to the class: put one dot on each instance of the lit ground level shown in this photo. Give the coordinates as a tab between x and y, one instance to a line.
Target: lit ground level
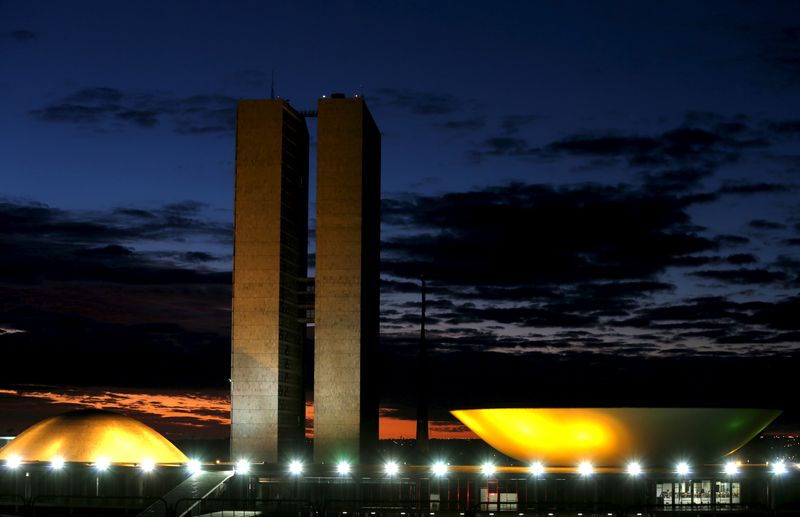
36	489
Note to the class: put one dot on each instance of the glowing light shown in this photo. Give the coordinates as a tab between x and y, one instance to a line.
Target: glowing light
57	463
102	464
194	466
242	466
343	468
585	468
537	469
83	436
147	465
488	469
634	468
295	467
731	468
779	468
682	468
439	468
391	468
13	462
567	436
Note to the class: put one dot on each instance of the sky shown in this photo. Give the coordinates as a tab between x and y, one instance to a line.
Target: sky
602	196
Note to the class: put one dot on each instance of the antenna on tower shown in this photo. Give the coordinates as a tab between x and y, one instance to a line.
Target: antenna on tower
423	382
272	86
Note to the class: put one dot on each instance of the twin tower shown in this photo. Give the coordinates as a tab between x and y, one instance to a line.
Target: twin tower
271	291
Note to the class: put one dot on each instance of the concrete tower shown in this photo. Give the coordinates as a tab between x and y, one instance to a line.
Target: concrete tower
269	278
347	281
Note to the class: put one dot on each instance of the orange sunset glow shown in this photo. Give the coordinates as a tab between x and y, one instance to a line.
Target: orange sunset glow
204	413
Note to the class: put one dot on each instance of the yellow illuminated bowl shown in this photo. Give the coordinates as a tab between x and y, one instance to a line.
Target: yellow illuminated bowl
90	436
614	436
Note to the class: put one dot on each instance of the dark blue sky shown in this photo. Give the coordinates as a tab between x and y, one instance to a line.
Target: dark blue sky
590	187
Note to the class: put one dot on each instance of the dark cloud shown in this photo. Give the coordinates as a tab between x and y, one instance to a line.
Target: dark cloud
785	127
763	224
465	124
513	123
780	47
675	180
40	243
419	102
22	35
80	293
741	258
690	151
731	240
109	108
535	234
741	275
746	189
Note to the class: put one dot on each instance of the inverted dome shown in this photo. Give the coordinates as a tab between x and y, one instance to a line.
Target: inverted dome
613	436
88	435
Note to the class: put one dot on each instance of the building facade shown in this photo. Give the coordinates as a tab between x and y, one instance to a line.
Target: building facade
347	297
269	281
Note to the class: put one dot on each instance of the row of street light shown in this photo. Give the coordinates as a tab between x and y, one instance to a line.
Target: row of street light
392	468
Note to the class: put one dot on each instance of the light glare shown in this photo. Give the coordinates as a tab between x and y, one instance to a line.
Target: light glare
634	468
102	464
242	466
147	465
488	469
731	469
343	468
682	469
295	467
779	468
585	468
391	468
537	469
57	463
13	462
194	466
439	468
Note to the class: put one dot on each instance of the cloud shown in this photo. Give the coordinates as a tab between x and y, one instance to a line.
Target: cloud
702	143
524	234
763	224
418	102
77	281
464	124
742	275
513	123
22	35
110	108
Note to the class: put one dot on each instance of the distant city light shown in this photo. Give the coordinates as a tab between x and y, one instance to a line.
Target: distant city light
343	468
488	469
194	466
585	468
13	462
147	465
537	469
295	467
634	468
391	468
102	464
682	468
439	468
779	468
242	466
57	463
731	468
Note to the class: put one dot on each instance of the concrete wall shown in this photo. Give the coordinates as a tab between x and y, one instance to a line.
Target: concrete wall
347	281
270	258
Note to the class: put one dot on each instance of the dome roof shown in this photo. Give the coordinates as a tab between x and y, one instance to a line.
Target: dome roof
611	437
91	434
